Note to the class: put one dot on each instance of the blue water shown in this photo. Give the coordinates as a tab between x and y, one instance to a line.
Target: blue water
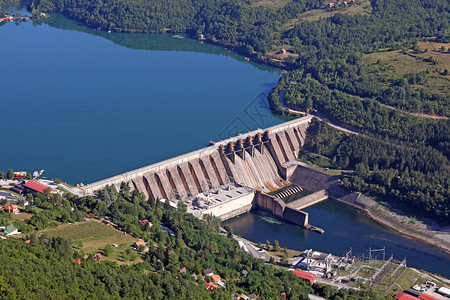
345	228
86	105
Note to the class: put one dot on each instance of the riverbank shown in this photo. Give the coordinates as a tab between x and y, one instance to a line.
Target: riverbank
409	227
425	231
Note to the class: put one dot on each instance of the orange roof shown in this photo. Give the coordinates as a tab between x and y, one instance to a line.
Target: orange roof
215	278
140	243
211	286
11	208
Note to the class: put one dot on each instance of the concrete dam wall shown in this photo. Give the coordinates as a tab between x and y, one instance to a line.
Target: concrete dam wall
255	159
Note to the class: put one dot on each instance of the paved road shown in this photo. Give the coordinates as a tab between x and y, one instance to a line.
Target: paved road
9	196
317	115
336	284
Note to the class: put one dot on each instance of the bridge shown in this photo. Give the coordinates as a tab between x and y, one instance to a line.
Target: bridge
255	159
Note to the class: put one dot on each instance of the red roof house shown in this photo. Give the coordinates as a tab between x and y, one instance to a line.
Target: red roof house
11	209
37	187
215	278
145	222
305	275
77	261
405	296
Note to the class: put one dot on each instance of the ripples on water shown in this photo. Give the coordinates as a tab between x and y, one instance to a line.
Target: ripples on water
345	228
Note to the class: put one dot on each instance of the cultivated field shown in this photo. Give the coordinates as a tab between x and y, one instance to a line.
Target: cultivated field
92	235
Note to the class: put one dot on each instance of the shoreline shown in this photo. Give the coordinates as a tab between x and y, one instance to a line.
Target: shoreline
388	220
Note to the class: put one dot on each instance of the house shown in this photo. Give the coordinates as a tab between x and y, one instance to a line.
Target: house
77	260
211	286
36	187
139	243
23	202
305	275
10	208
145	222
215	278
252	297
404	296
10	230
183	270
208	272
97	256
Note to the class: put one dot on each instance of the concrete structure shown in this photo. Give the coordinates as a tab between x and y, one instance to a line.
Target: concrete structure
230	177
232	203
254	159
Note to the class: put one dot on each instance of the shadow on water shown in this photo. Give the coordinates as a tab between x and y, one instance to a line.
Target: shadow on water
144	41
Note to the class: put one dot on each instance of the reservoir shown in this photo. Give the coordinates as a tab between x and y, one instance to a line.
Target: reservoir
85	105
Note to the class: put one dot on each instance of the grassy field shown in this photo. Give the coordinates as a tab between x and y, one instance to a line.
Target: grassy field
93	235
22	216
394	64
270	3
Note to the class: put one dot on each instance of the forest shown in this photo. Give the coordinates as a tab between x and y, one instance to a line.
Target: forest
413	178
44	267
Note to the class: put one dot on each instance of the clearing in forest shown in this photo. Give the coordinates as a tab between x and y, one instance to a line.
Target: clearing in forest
270	3
431	59
323	13
93	235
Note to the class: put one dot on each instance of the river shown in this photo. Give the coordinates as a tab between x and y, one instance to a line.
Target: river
345	227
85	105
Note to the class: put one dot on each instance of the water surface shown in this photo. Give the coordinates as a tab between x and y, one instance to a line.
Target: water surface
85	105
345	228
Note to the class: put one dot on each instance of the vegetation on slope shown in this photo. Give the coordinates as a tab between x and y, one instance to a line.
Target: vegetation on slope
45	268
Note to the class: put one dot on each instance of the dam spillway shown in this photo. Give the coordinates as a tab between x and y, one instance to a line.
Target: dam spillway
255	159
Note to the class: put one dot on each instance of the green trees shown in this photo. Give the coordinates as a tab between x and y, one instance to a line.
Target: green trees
276	246
2	175
10	174
229	231
416	177
108	250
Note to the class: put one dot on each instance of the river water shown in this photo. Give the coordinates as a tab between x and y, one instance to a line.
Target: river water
345	227
85	105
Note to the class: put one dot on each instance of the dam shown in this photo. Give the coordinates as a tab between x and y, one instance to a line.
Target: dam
229	177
